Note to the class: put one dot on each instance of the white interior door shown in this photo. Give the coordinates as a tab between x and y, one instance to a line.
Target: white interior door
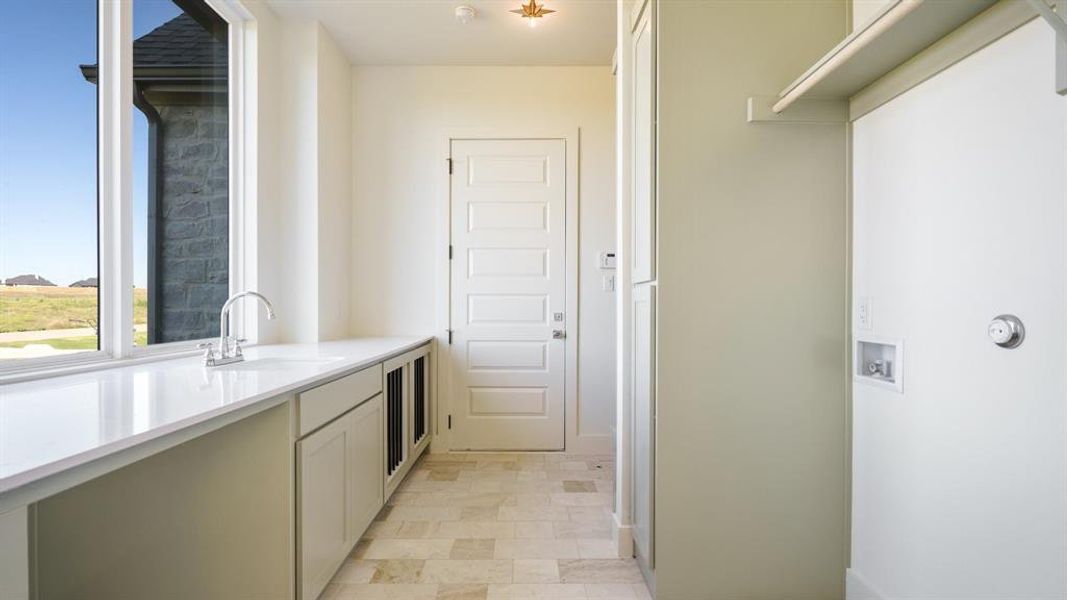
508	294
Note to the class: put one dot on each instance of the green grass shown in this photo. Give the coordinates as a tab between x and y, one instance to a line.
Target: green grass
74	343
32	308
89	342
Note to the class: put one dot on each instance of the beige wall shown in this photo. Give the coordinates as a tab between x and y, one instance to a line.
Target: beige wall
751	488
402	120
225	532
864	10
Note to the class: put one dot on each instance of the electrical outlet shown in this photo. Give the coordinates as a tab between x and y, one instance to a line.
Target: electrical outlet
863	314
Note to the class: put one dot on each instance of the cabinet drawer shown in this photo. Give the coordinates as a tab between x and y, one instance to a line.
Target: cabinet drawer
321	405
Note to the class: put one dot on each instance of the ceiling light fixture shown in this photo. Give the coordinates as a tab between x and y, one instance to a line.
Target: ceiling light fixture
465	14
532	11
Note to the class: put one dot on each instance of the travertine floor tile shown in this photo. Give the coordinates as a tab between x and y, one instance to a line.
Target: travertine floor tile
589	530
535	571
478	513
463	591
472	549
534	530
536	549
466	571
597	549
397	571
385	592
579	486
490	526
536	590
473	529
534	513
599	571
398	548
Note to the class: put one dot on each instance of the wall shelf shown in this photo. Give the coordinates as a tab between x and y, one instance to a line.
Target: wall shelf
902	29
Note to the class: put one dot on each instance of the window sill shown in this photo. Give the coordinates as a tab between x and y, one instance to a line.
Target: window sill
99	362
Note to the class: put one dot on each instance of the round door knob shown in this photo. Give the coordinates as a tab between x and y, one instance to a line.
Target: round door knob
1007	331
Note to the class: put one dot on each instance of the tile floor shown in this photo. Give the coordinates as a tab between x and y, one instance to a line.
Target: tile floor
493	527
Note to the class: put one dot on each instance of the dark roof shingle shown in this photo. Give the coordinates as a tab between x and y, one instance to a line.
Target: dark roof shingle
180	42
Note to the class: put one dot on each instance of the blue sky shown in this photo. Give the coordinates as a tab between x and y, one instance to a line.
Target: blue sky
48	139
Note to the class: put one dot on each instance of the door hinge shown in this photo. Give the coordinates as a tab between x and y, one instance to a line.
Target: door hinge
450	252
449	337
450	421
449	165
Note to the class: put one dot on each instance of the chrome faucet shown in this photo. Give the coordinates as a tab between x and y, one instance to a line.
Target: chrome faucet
229	350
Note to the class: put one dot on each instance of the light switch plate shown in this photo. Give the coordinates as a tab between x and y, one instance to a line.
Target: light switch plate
609	283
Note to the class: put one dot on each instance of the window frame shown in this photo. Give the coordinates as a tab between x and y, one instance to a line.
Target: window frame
115	194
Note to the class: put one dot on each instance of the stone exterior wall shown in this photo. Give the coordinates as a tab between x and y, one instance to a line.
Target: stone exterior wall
193	262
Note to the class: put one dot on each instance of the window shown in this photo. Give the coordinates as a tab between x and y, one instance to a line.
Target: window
104	253
181	175
49	301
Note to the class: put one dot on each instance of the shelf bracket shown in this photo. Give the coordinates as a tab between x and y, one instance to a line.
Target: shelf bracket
804	110
1058	23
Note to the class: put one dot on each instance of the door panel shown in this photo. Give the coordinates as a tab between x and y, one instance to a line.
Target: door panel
644	136
644	366
508	285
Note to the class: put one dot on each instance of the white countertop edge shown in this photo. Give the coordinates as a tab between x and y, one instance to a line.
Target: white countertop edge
34	475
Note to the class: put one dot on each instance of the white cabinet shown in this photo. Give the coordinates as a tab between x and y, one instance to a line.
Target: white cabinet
365	468
324	472
644	419
339	470
345	443
644	142
407	413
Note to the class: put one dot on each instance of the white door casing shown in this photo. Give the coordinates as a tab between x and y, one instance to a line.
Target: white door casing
508	293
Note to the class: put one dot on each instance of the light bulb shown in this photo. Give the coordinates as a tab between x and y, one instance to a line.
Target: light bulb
533	22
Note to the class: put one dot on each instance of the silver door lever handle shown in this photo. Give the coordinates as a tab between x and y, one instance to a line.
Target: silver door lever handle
558	334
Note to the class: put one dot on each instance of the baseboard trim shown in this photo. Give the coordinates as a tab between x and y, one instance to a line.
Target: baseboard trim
591	444
858	588
623	537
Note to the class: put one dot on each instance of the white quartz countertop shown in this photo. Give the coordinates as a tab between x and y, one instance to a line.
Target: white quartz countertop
53	425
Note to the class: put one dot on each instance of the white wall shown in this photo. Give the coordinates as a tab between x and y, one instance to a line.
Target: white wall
305	197
960	483
335	188
402	119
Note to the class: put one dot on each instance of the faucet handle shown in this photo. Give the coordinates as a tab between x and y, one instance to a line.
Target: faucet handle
209	352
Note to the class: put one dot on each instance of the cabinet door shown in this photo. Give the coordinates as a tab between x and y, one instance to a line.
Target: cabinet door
323	504
365	465
644	145
644	368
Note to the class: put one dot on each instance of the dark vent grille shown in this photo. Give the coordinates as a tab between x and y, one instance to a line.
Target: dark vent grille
419	398
394	391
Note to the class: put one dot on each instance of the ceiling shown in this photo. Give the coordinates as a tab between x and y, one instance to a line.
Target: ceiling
426	32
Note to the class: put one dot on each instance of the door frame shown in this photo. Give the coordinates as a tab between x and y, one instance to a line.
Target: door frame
442	439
